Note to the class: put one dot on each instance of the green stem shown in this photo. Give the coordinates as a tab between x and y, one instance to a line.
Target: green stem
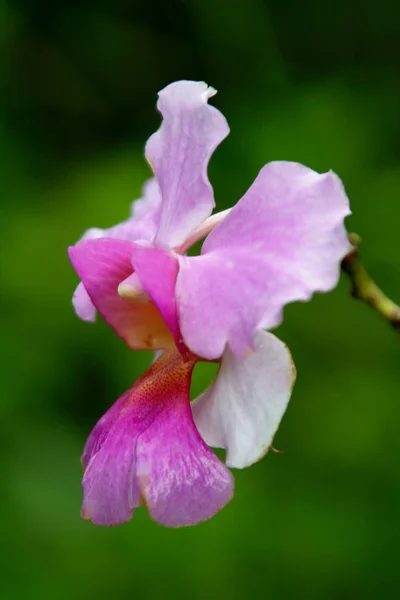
364	288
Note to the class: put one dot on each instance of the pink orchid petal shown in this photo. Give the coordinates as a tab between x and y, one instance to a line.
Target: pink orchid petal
157	271
282	242
143	222
110	489
146	213
179	153
142	225
102	264
147	447
100	431
242	409
181	479
83	305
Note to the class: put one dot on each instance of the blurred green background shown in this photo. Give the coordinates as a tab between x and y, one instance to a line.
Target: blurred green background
313	82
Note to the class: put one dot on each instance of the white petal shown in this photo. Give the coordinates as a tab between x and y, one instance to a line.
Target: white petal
242	409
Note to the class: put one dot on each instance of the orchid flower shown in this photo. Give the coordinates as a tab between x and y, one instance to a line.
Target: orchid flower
282	242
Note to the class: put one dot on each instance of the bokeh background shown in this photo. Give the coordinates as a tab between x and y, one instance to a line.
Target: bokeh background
314	82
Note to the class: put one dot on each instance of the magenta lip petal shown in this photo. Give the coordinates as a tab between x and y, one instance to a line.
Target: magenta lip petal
181	479
147	448
110	489
99	433
179	153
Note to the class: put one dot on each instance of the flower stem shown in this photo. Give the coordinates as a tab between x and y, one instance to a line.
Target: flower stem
365	289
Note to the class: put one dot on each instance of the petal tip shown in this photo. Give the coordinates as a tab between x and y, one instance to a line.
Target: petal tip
85	514
209	92
190	89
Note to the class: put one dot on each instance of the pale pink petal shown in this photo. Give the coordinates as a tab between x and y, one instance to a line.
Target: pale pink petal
142	225
283	241
143	222
83	305
179	153
102	264
147	447
242	409
146	213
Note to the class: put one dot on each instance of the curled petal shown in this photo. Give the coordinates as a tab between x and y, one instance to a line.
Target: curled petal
102	264
242	409
282	242
157	271
179	153
147	447
142	225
